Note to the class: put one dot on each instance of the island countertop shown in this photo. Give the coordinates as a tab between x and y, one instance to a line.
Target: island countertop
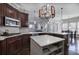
44	40
31	33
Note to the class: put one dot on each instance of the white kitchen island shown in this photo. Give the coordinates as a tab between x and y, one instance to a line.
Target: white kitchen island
46	45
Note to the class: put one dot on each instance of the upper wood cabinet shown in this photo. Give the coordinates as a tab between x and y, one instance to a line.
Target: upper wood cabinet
23	18
1	21
9	11
2	6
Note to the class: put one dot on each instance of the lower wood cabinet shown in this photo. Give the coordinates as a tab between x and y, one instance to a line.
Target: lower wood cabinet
26	41
14	45
11	48
19	43
0	49
4	47
11	45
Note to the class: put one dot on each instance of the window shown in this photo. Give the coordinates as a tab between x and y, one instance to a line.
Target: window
65	26
72	26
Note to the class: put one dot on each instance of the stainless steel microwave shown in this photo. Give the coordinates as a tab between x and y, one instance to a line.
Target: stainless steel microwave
11	22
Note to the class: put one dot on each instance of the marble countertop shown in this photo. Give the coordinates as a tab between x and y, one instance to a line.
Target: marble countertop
44	40
59	33
47	32
4	37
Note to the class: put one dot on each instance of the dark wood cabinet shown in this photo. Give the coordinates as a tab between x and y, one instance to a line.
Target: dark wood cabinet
23	18
9	11
26	41
14	45
19	43
1	21
2	6
4	47
11	45
1	10
0	48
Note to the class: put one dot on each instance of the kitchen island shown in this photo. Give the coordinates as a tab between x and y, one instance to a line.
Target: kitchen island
47	45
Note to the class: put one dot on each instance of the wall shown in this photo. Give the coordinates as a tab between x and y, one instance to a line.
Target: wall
70	10
24	30
69	14
10	29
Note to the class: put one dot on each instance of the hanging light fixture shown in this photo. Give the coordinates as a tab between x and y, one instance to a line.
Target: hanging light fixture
61	13
61	17
47	11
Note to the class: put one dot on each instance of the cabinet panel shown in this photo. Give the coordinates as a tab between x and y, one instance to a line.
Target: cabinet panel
15	45
4	47
23	18
1	14
7	10
26	41
11	12
1	20
11	45
0	49
11	48
19	43
1	10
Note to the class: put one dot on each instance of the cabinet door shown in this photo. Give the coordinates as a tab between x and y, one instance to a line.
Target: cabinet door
4	47
26	41
11	12
0	49
1	14
11	45
1	10
7	10
1	21
24	19
19	43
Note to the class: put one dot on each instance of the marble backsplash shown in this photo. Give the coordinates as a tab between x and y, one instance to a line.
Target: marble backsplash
10	29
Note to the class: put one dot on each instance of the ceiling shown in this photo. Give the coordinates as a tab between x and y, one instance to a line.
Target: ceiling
69	9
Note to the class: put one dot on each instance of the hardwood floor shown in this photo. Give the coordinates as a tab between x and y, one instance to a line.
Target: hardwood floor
74	47
25	51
